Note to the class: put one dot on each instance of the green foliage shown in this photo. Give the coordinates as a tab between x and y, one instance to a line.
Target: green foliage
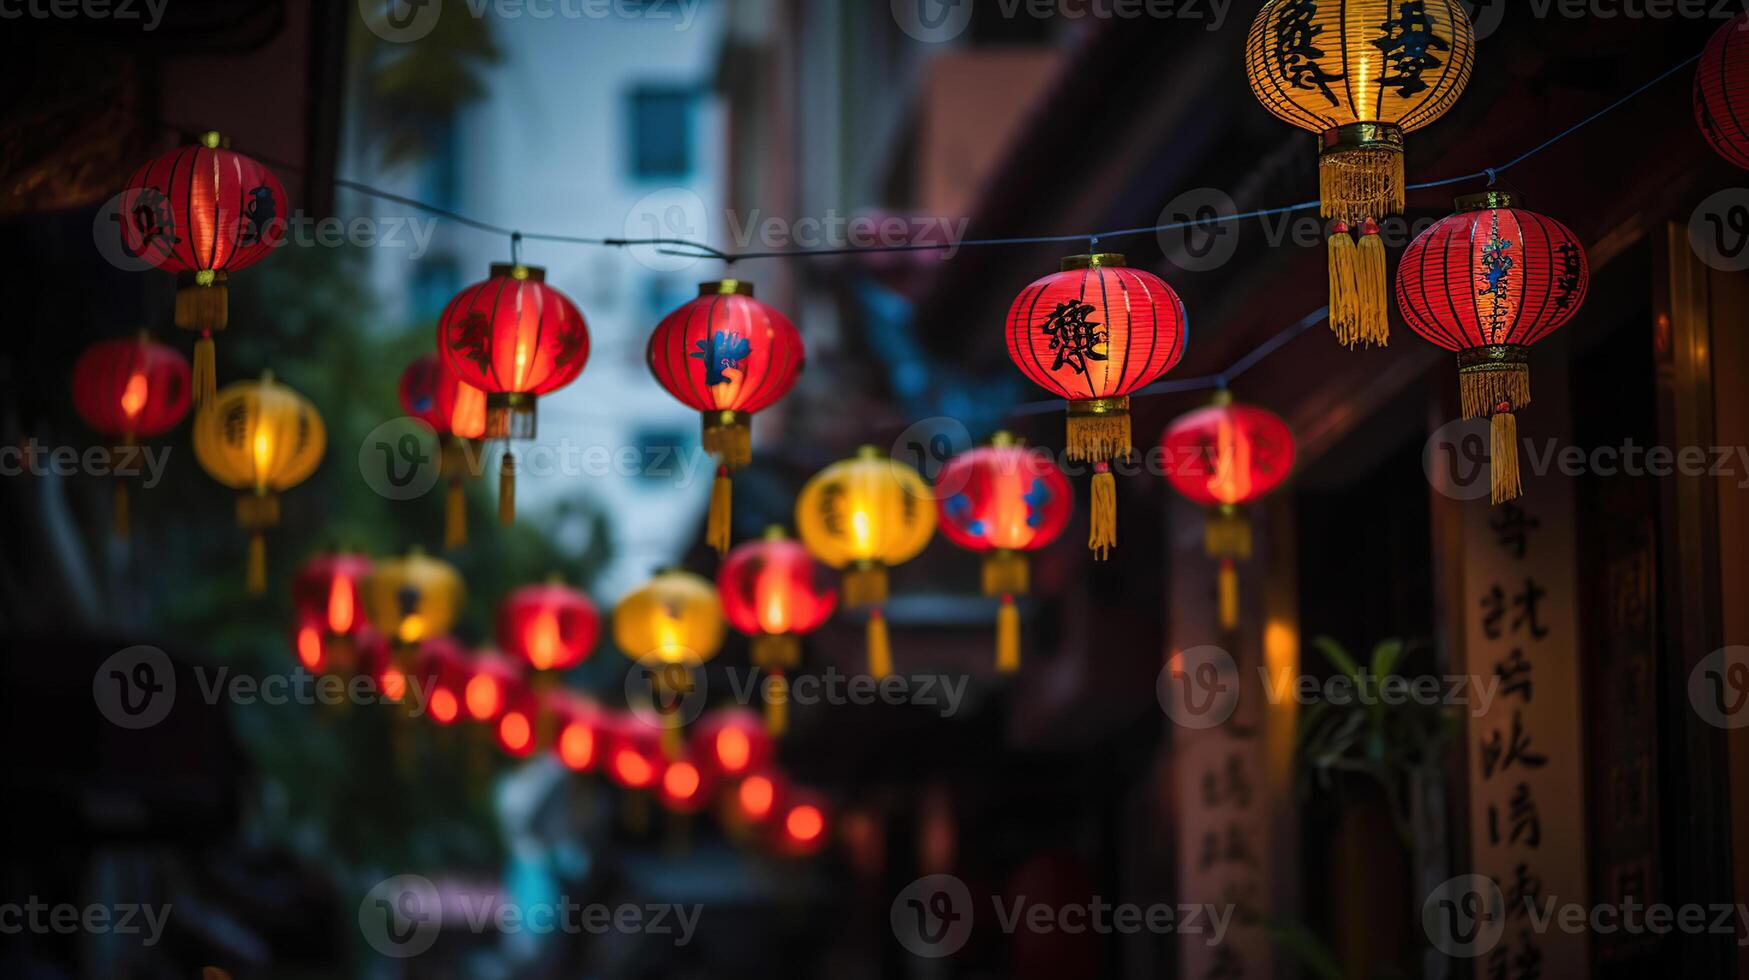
413	90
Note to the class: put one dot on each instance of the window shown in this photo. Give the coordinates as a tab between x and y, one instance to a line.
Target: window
661	131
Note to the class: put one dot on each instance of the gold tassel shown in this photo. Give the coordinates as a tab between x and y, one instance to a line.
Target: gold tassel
865	584
1007	636
256	577
455	516
202	303
776	704
1226	534
205	382
121	509
880	650
507	488
1227	586
1371	285
729	437
716	532
1344	293
1103	535
1006	573
1354	184
777	651
1487	389
1099	429
1503	457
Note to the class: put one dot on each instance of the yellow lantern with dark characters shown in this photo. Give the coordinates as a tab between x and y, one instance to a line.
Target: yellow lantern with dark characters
670	624
864	515
413	598
259	438
1360	74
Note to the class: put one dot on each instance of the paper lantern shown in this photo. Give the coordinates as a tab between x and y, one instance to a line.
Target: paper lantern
261	439
491	679
130	389
864	515
1001	501
202	212
515	338
685	785
325	595
727	356
670	625
1224	457
551	626
377	660
633	752
1093	334
456	411
731	743
801	824
412	598
1721	91
1360	74
578	743
518	728
1487	282
443	670
757	796
775	592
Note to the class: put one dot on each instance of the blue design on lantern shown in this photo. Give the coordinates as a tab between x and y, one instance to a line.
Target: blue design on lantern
725	350
959	510
1036	498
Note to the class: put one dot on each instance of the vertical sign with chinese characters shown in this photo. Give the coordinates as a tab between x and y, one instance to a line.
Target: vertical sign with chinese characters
1526	762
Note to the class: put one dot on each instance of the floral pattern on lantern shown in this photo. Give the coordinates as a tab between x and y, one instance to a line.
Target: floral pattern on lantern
773	591
129	390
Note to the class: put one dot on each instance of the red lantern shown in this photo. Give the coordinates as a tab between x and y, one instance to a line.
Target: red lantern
551	626
202	212
431	393
775	592
377	660
491	679
1002	500
726	355
758	795
801	826
515	338
1487	283
444	670
1721	91
1094	333
130	389
578	720
1224	457
518	726
731	743
633	752
329	610
685	786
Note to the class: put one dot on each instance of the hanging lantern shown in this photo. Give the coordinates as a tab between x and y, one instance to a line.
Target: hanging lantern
579	725
518	728
758	796
456	411
633	752
801	825
1360	74
1003	500
260	438
731	743
1224	457
413	598
325	594
670	625
1721	92
515	338
685	785
864	515
202	212
1488	282
491	678
726	355
551	626
443	670
130	389
378	662
1093	334
775	592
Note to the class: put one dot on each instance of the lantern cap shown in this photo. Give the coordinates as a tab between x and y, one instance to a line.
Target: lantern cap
212	139
776	532
518	271
267	376
1362	136
1003	438
1222	398
868	452
1097	260
726	287
1485	201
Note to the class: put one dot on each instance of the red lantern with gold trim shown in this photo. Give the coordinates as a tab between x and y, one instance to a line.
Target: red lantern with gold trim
456	411
727	356
330	609
775	592
202	212
1001	501
130	389
1094	334
1225	457
515	338
1721	91
1487	282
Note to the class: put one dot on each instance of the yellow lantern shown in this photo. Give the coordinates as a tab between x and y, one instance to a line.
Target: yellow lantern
1360	74
676	620
260	438
864	515
413	598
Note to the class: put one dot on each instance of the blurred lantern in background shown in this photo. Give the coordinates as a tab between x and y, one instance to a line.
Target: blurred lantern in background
731	743
1360	74
632	750
578	721
130	389
550	626
670	625
685	785
801	826
1094	333
864	515
1721	92
202	212
775	592
514	338
431	393
1487	282
412	598
1224	457
443	670
491	676
518	727
757	795
377	661
727	356
260	438
1001	501
329	608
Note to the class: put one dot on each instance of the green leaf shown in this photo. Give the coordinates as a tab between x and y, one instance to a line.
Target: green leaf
1337	656
1385	657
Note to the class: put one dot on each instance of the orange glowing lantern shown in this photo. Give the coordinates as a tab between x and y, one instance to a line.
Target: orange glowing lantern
579	722
518	727
633	752
685	785
491	678
551	626
731	743
443	670
801	826
775	592
757	796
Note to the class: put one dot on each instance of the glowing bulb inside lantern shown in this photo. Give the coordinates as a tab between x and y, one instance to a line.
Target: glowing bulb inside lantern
543	640
805	823
133	397
577	745
482	697
412	628
515	730
681	781
769	591
734	749
756	796
394	684
341	605
310	648
634	770
443	706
